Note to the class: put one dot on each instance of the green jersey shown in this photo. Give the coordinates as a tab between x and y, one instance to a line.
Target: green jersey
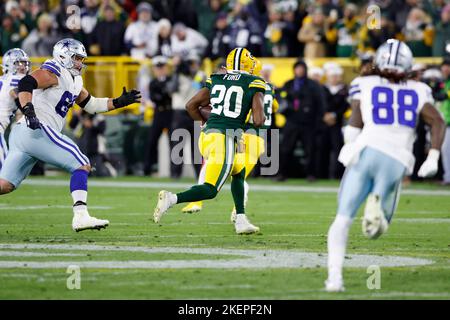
231	96
269	95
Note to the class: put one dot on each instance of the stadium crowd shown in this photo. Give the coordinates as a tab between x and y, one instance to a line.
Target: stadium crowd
314	102
279	28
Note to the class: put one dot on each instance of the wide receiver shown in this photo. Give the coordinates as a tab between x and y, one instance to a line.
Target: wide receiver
232	95
378	148
15	65
45	97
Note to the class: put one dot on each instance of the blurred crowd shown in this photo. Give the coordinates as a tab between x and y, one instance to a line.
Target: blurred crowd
211	28
178	34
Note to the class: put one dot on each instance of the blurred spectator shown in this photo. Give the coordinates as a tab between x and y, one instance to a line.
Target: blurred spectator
119	12
442	33
332	142
208	11
219	44
161	90
188	80
14	9
245	30
346	32
371	39
139	33
178	11
402	10
314	34
108	34
89	19
89	130
330	9
276	42
161	44
303	105
40	41
316	74
418	33
445	69
12	33
185	40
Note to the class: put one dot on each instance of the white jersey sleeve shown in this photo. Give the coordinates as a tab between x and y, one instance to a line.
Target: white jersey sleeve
7	104
354	91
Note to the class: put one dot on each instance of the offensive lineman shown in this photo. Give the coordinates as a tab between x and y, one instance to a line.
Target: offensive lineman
45	97
15	65
232	95
378	149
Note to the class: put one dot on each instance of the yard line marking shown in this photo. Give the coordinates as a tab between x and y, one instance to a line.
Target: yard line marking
236	258
423	220
256	187
39	207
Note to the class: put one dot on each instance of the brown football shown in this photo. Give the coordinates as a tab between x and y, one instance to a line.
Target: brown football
205	111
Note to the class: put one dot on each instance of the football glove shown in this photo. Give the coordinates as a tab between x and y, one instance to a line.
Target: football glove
430	166
30	116
127	98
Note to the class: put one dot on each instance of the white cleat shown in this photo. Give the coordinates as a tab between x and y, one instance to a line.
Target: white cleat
243	226
374	222
164	204
233	213
83	221
334	286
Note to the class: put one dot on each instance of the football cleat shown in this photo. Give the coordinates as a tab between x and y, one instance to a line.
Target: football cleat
374	222
193	207
83	221
233	212
334	286
233	215
164	203
243	226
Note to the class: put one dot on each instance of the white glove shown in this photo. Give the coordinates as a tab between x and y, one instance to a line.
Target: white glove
349	154
430	166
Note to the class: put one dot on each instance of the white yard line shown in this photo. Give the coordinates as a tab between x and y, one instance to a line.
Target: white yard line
255	187
236	258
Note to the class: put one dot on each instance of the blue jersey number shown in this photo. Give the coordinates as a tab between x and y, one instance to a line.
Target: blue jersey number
407	101
65	103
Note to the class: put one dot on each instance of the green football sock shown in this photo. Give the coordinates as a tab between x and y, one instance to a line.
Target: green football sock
197	193
237	189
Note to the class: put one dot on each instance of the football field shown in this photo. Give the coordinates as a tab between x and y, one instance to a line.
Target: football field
199	256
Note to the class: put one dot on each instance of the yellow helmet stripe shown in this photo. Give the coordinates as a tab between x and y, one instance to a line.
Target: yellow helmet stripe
237	59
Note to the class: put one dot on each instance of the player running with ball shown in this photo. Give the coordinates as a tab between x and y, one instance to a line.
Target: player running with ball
378	148
232	95
45	97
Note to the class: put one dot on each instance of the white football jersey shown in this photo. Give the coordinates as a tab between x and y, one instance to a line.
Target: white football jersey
7	105
390	112
52	104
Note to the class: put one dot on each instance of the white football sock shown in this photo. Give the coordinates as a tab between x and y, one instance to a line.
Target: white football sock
79	195
337	242
173	198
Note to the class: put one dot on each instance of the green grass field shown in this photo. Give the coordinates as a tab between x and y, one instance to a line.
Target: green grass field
284	261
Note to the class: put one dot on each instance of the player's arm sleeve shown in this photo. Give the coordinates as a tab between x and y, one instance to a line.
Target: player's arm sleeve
208	83
91	104
52	67
354	92
258	85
